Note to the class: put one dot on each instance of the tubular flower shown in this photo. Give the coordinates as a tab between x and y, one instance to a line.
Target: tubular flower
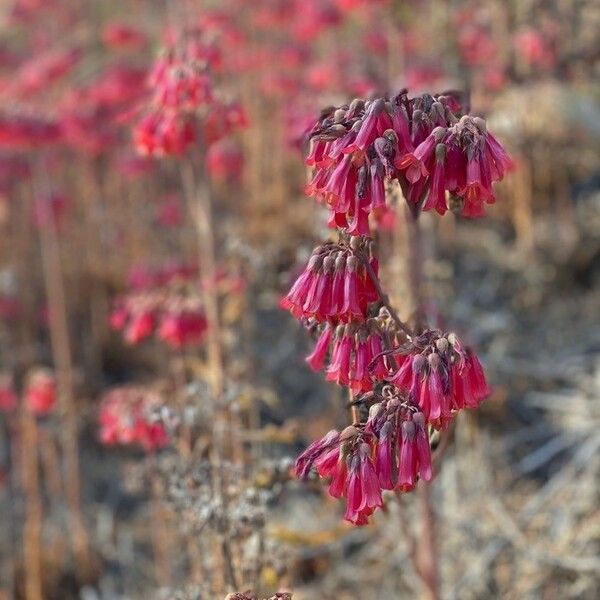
389	452
334	286
422	142
356	354
440	376
347	459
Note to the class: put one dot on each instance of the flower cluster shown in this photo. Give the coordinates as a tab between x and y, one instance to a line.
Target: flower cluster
337	284
356	354
390	451
125	419
423	143
176	320
440	376
181	81
410	381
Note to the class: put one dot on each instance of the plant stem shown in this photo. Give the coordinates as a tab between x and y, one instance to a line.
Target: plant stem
385	299
426	551
32	532
62	357
198	197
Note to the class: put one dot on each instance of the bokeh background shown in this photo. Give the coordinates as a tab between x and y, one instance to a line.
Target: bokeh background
89	225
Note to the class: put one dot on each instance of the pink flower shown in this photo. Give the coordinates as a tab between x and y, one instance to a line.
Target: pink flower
182	328
121	36
40	392
469	385
441	377
118	318
124	419
363	493
385	462
315	452
140	326
415	453
334	286
316	359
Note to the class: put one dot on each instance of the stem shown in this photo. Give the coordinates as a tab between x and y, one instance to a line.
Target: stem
385	299
62	357
198	197
32	532
199	201
415	261
426	551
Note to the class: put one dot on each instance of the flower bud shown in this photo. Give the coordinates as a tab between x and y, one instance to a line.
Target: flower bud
419	420
434	360
419	363
480	124
375	411
352	263
442	345
408	429
349	433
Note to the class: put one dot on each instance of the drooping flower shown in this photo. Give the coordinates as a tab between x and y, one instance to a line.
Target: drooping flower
415	453
356	355
334	286
358	149
440	376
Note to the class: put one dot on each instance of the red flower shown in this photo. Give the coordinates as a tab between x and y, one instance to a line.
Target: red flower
40	392
179	329
415	453
441	377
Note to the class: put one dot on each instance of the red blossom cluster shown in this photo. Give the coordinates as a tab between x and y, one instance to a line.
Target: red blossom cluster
410	380
389	451
183	108
125	419
423	143
174	319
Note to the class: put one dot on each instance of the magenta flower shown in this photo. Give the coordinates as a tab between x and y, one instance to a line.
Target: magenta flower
415	454
441	377
334	286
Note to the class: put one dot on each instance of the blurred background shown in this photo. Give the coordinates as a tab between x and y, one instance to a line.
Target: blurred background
113	391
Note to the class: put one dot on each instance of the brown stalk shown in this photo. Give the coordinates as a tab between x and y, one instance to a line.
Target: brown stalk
198	197
32	532
62	357
425	554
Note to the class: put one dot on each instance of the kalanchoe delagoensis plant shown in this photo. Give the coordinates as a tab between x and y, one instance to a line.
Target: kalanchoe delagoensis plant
404	382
